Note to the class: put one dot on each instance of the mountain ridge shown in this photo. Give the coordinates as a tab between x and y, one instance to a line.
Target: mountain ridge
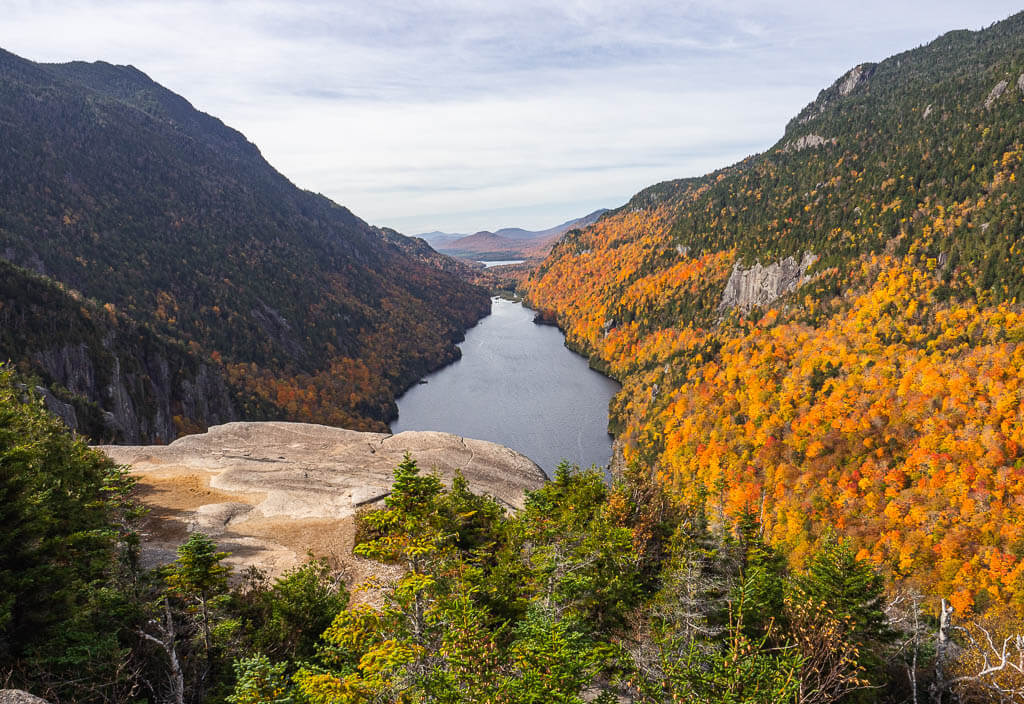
118	188
507	242
826	333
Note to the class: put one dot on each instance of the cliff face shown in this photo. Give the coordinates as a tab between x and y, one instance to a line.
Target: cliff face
104	376
758	285
148	398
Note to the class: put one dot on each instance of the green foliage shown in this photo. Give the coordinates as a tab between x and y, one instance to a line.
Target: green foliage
581	560
762	585
65	541
739	670
849	597
851	589
578	614
260	682
285	619
551	660
197	573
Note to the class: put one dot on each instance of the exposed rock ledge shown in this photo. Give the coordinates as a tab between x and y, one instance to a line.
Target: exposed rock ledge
270	492
760	285
807	141
17	696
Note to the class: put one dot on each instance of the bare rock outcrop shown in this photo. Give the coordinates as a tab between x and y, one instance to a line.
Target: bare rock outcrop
854	77
19	696
64	411
760	285
270	492
807	141
993	96
851	81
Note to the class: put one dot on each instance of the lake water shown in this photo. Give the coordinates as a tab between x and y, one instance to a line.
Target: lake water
498	262
517	385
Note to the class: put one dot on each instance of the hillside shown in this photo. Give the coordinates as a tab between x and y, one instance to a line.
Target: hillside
508	242
105	376
126	195
829	334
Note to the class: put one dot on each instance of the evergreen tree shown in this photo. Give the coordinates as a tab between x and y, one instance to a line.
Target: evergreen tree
851	589
65	547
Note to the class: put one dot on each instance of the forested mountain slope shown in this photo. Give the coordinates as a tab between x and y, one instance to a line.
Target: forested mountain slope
829	333
107	377
121	191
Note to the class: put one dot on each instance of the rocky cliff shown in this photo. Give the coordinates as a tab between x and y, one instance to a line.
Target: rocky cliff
759	285
150	397
104	375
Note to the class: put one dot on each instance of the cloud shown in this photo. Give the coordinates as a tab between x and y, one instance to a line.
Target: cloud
458	114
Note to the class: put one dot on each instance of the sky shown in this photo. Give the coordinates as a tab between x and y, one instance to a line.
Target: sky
464	115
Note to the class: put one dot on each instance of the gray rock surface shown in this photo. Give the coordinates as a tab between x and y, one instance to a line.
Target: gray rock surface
269	492
806	142
851	80
142	402
760	285
993	96
856	76
18	696
64	411
1020	83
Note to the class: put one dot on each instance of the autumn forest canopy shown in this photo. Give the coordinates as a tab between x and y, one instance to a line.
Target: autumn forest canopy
821	425
882	396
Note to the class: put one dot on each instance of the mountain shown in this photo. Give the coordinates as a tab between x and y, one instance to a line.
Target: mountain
438	239
828	335
124	195
506	243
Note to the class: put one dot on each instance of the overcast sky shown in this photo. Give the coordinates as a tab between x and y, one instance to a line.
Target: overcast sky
461	115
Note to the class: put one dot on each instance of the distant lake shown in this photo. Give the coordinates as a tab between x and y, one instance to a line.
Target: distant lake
517	385
499	262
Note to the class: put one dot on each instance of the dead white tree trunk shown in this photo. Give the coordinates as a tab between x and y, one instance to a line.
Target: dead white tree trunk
166	633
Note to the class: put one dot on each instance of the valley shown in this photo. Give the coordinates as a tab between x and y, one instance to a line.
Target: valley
754	436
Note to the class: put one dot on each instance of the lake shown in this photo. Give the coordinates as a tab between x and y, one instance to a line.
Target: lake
499	262
517	385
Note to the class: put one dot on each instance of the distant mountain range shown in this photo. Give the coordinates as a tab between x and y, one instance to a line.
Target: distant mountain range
506	243
194	283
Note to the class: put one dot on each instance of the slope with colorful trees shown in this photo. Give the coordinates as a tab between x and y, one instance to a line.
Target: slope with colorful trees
883	397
